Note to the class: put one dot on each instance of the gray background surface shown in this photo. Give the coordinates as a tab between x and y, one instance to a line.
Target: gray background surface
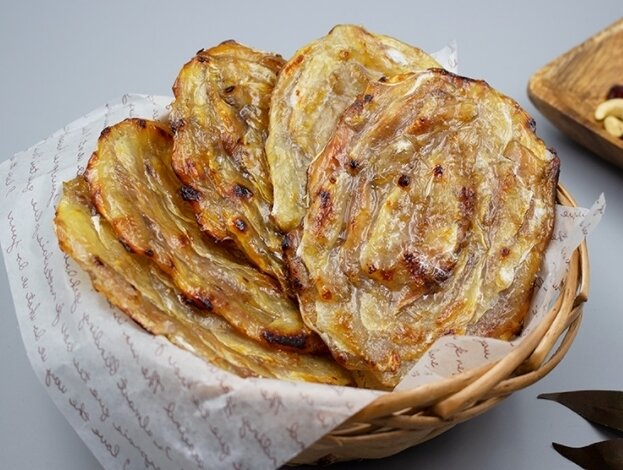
59	62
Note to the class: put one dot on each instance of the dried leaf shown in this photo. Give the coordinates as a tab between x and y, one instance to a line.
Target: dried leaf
605	455
602	407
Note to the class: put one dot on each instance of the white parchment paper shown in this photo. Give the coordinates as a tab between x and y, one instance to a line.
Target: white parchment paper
135	399
448	57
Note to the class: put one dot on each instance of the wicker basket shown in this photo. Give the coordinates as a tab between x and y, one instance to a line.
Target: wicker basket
399	420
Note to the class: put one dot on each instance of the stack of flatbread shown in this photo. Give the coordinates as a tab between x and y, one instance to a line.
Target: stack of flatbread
322	219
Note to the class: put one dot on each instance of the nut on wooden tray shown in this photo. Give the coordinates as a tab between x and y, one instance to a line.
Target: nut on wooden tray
569	89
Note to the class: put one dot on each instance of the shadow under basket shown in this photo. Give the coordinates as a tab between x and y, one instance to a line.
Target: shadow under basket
399	420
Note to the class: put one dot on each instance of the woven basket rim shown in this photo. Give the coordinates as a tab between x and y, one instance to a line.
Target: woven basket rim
401	419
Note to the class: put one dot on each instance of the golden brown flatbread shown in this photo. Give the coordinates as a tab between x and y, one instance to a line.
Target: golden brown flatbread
312	91
148	296
430	209
135	189
220	123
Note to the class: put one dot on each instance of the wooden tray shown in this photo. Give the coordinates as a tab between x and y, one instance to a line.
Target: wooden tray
568	89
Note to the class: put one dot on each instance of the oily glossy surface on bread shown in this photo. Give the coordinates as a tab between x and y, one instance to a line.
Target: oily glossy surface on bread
430	209
220	123
135	189
148	296
313	89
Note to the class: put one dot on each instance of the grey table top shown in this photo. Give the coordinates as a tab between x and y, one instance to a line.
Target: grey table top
60	62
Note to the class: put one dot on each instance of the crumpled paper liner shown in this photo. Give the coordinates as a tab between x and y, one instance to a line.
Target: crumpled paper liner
135	399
